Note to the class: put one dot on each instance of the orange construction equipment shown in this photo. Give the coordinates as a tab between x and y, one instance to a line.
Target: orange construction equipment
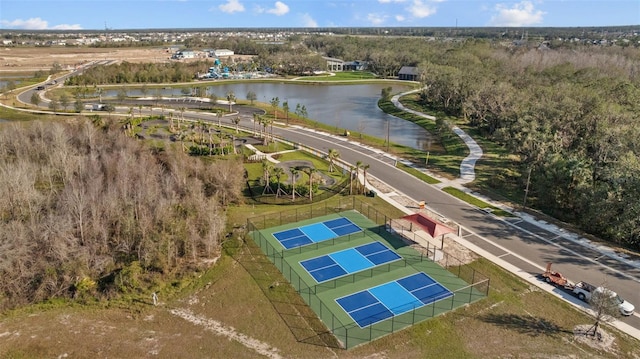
555	277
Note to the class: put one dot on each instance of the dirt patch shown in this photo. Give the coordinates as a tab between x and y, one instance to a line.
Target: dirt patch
214	326
603	340
25	59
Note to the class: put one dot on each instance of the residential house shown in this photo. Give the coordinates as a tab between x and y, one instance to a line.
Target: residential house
409	73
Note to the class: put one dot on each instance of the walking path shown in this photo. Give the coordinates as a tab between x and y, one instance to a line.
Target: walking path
467	166
259	155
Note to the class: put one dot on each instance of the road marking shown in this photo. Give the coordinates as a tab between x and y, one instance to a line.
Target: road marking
621	273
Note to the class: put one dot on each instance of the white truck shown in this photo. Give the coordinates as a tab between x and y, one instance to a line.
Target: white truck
584	291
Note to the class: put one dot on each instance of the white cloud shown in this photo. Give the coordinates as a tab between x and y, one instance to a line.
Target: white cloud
67	27
400	18
36	23
308	21
279	9
521	14
376	19
390	1
420	9
231	6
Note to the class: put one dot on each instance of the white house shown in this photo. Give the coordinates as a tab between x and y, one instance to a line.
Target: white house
222	52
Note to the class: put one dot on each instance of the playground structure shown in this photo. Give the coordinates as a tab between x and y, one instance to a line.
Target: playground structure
218	71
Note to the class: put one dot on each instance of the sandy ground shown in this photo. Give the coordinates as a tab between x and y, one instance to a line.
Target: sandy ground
30	59
25	59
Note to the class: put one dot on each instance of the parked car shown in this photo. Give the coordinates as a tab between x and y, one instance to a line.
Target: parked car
584	291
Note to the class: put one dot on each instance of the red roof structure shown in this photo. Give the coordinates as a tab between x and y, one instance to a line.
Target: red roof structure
429	225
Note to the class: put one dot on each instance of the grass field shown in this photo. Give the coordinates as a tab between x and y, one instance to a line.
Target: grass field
231	311
244	308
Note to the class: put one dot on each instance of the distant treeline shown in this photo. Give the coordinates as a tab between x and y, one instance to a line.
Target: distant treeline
595	32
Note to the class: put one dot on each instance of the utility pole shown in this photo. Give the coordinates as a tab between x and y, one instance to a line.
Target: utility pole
388	135
526	189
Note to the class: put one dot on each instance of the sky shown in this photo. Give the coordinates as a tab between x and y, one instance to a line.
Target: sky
171	14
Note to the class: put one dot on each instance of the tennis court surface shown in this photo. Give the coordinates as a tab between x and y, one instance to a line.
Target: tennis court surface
316	232
392	298
349	261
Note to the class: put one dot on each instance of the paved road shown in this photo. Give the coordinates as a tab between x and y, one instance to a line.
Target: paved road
518	242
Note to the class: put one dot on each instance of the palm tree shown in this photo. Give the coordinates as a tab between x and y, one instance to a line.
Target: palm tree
233	144
351	170
267	167
236	120
285	108
182	109
278	172
219	116
332	156
265	122
222	143
358	166
129	122
182	137
231	97
364	177
274	104
255	120
311	171
210	142
201	128
294	173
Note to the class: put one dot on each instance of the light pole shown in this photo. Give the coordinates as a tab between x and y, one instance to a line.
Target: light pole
526	189
388	126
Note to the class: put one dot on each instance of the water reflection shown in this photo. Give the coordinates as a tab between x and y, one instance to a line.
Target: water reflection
349	107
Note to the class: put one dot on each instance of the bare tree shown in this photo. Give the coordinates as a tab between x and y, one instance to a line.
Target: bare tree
605	306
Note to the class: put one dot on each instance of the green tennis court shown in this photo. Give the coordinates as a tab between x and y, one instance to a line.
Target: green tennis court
334	273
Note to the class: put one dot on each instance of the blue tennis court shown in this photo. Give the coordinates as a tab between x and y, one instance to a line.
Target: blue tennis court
392	298
349	261
316	232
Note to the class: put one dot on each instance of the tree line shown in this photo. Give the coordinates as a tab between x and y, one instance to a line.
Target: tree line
568	114
86	212
570	117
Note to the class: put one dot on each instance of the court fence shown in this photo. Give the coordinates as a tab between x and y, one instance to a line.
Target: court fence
350	334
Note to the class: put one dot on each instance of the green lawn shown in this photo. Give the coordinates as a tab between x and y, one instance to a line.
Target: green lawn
342	76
